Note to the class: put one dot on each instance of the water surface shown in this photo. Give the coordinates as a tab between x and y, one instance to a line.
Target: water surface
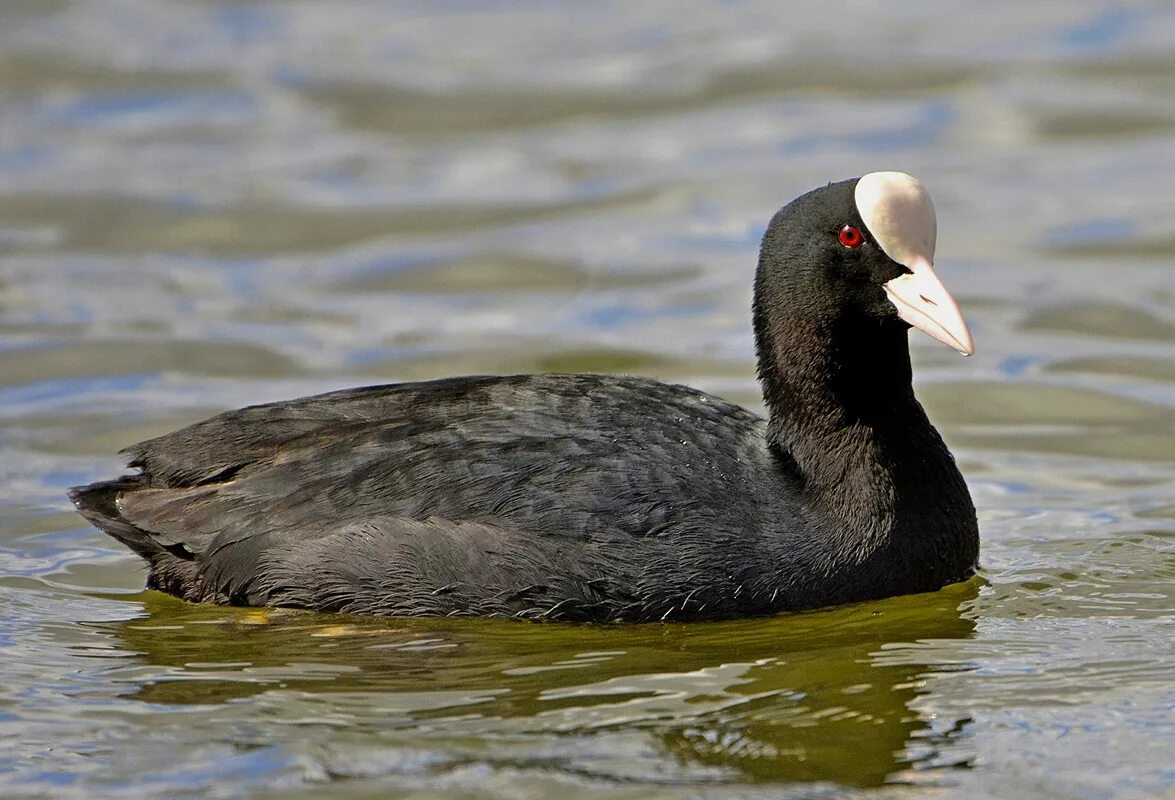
208	204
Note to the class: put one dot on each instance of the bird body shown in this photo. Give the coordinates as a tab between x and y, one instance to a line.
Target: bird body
584	497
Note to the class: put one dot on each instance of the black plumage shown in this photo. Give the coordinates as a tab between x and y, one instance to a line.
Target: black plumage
581	497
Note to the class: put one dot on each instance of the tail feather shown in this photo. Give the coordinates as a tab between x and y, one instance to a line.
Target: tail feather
98	503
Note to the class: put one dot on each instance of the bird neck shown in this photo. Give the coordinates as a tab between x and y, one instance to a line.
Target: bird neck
843	418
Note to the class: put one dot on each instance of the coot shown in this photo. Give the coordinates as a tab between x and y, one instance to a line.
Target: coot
595	497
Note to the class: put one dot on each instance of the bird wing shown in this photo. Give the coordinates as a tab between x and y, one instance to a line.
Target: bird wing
525	484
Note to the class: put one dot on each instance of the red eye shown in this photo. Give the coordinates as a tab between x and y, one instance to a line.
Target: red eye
850	236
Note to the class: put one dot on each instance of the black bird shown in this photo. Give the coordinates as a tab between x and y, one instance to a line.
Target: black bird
594	497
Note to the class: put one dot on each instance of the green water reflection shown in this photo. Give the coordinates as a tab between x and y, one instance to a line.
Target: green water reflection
824	696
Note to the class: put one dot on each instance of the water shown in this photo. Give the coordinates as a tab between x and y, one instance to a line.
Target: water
207	204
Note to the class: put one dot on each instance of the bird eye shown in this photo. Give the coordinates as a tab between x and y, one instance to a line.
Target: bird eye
850	236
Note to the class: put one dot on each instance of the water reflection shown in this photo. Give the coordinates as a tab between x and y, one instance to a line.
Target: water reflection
812	697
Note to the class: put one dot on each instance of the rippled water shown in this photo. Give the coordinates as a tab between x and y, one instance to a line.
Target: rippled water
207	204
